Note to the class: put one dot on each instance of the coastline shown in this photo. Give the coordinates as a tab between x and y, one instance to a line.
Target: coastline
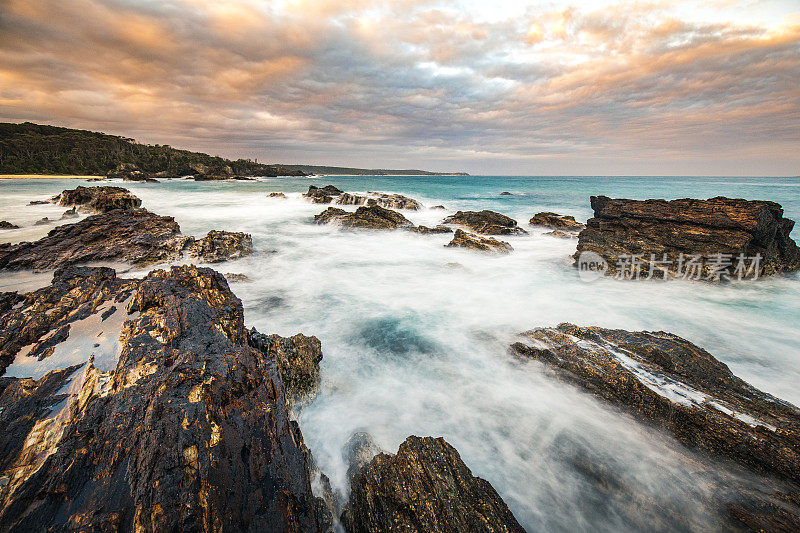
45	176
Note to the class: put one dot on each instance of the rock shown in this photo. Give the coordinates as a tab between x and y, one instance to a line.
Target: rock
5	224
562	234
506	193
70	213
463	239
658	230
425	230
130	172
372	217
221	246
440	207
298	359
425	487
556	221
98	199
276	195
666	380
135	236
39	202
389	201
358	451
42	222
322	195
233	277
486	222
219	172
190	431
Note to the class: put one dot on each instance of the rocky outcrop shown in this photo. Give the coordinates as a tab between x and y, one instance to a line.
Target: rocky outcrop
130	172
716	232
189	431
70	213
425	230
276	195
98	199
562	234
372	217
551	220
425	487
5	224
389	201
135	236
322	195
42	222
485	222
668	381
298	359
463	239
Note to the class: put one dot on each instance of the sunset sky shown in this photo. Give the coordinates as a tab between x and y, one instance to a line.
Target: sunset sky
506	87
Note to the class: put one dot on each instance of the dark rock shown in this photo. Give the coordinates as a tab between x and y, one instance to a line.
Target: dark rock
276	195
42	222
322	195
556	221
39	202
5	224
425	230
372	217
389	201
562	234
440	207
70	213
221	246
233	277
130	172
98	199
506	193
8	300
655	229
190	431
463	239
202	172
666	380
425	487
485	222
298	358
358	451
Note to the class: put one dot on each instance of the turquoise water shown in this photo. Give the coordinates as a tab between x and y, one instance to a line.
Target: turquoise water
414	334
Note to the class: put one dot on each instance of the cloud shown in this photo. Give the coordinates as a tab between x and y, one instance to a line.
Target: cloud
424	83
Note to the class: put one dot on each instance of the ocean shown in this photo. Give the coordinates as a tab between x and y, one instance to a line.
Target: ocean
415	335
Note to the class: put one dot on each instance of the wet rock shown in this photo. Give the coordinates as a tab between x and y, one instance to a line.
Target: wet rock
42	222
506	193
5	224
276	195
372	217
486	222
233	277
98	199
666	380
562	234
425	487
655	229
130	172
135	236
440	207
358	451
425	230
201	172
463	239
548	219
70	213
298	358
321	195
389	201
39	202
190	431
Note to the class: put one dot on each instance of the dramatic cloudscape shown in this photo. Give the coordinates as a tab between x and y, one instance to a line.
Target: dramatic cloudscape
511	87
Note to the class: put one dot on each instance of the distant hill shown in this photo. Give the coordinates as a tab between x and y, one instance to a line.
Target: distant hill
346	171
29	148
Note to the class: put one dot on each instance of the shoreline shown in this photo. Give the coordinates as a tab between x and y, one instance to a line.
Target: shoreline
45	176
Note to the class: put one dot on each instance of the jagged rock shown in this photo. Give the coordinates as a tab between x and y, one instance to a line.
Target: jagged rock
99	199
321	195
201	172
233	277
425	487
190	431
70	213
276	195
5	224
669	381
463	239
485	222
556	221
706	228
136	236
389	201
221	246
358	451
562	234
42	222
298	358
372	217
425	230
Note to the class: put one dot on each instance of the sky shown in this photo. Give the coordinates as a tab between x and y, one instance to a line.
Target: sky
504	87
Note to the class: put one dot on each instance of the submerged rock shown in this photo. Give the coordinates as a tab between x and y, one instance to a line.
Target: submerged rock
438	207
98	199
276	195
235	277
667	380
5	224
548	219
389	201
425	487
70	213
321	195
425	230
298	358
562	234
39	202
42	222
136	236
372	217
190	431
506	193
463	239
716	231
486	222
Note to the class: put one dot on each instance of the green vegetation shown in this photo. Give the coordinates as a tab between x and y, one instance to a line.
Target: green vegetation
346	171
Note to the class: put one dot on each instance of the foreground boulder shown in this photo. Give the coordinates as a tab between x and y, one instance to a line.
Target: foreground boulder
98	199
463	239
425	487
188	430
551	220
485	222
389	201
321	195
372	217
135	236
674	384
719	233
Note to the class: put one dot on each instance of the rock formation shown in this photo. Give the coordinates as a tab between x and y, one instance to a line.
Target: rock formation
664	235
298	358
98	199
463	239
425	230
389	201
551	220
425	487
5	224
485	222
321	195
276	195
372	217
